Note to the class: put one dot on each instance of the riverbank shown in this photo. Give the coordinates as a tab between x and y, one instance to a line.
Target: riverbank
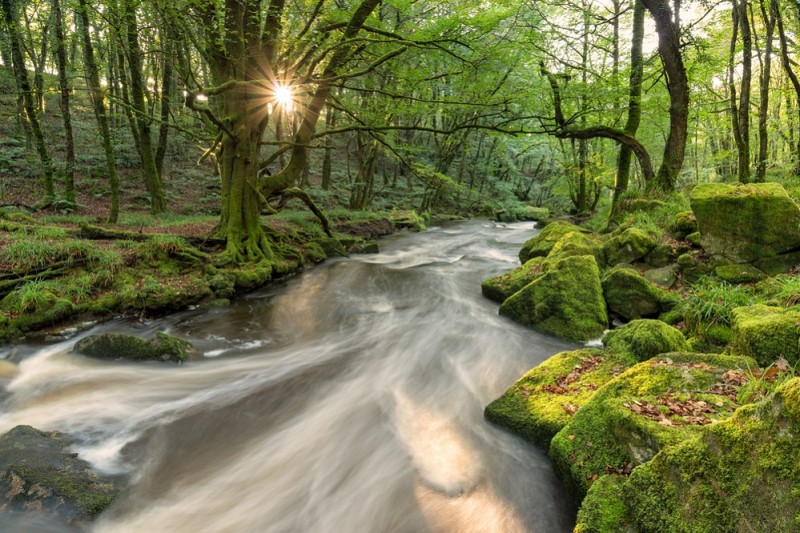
61	273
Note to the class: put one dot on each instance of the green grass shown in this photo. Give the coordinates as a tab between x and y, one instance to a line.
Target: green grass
711	302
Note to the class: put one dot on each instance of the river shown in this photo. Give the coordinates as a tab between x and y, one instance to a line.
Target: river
346	399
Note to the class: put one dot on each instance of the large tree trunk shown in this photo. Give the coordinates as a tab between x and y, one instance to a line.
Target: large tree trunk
167	38
634	104
678	86
63	84
99	107
24	86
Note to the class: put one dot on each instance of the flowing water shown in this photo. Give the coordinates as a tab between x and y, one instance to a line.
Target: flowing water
347	399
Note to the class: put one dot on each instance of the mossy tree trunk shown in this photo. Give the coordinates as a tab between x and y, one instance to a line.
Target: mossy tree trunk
242	41
11	20
763	108
99	107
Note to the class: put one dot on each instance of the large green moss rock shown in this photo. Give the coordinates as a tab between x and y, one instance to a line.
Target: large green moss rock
644	339
541	244
631	296
739	475
627	246
654	404
546	398
565	301
39	474
766	333
738	273
162	347
745	223
498	288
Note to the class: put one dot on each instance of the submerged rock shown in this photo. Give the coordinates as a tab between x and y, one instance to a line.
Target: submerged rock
746	223
541	244
162	347
566	300
38	474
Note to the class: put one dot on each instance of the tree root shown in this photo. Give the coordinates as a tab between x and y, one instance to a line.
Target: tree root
294	192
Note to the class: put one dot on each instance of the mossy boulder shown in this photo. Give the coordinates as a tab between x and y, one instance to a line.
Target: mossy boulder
654	404
332	247
665	277
739	273
406	218
631	296
565	301
162	347
683	224
541	244
498	288
644	339
546	398
578	243
766	333
605	509
739	475
39	474
628	246
745	223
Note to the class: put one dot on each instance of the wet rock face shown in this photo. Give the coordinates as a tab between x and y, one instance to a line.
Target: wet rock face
746	223
39	475
162	347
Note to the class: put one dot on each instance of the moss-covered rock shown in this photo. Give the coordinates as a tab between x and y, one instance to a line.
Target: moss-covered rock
544	400
744	223
766	333
652	405
739	273
332	247
605	509
565	301
541	244
631	296
739	475
683	224
665	277
38	473
578	243
695	239
644	339
627	246
162	347
406	218
498	288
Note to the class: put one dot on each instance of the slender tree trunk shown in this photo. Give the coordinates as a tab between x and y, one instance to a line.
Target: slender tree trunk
634	104
142	117
99	108
763	109
166	99
787	66
24	86
741	111
63	84
330	115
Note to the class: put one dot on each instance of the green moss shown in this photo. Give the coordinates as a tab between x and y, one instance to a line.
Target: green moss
644	339
604	510
565	301
683	224
627	246
737	475
767	333
223	285
739	273
578	243
252	276
541	244
544	400
332	247
694	239
608	432
406	218
744	223
498	288
631	296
